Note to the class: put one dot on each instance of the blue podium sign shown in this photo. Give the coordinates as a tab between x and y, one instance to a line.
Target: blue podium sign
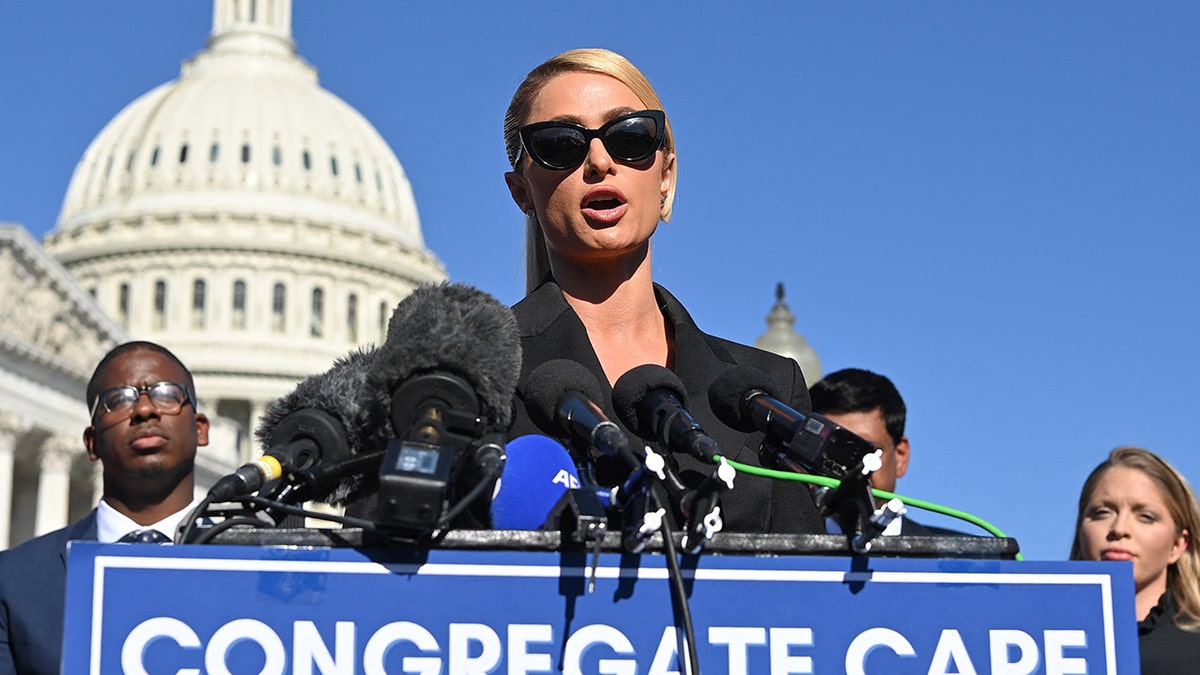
186	610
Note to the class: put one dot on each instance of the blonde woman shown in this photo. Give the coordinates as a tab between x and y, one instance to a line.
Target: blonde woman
594	170
1136	507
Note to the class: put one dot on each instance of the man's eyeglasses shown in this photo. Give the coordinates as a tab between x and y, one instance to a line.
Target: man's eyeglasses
563	145
168	398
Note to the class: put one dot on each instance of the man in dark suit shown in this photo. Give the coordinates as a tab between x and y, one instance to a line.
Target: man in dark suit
144	431
868	405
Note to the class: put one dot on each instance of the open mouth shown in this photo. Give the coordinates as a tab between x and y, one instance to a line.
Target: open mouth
603	204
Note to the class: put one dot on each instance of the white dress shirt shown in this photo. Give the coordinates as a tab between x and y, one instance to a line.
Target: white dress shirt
111	524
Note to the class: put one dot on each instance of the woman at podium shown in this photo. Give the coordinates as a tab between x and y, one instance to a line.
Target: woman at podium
594	170
1137	507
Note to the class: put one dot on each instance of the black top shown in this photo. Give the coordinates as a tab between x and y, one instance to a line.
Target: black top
1166	648
550	330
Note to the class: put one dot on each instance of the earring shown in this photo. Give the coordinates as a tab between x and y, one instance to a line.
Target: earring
662	201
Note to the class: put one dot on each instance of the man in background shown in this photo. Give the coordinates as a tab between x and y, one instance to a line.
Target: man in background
144	431
868	404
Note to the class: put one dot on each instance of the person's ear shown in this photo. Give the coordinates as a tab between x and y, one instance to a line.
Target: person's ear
1181	545
519	189
902	450
89	442
201	429
668	175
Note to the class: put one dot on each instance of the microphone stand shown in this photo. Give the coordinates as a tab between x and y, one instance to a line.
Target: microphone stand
851	505
700	507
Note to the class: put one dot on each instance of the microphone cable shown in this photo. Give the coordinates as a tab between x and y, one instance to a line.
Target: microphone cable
192	518
824	481
485	482
675	578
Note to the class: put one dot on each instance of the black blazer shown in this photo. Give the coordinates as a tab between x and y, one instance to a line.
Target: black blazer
33	581
550	329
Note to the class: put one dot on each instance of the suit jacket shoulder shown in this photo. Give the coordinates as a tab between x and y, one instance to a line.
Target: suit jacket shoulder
33	579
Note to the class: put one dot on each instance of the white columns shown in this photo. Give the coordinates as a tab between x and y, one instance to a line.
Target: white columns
54	485
251	450
97	481
8	446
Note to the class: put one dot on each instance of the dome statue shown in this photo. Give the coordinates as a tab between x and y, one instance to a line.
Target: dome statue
781	338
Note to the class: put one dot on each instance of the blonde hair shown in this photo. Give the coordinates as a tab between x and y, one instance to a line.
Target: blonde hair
1183	577
602	62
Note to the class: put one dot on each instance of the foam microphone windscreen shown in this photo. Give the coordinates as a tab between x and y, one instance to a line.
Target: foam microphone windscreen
337	391
545	389
729	391
453	329
632	388
537	473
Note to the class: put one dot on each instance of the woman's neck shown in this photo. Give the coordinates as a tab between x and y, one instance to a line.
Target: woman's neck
621	315
1147	597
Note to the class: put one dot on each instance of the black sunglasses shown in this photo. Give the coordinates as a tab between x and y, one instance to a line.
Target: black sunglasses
563	145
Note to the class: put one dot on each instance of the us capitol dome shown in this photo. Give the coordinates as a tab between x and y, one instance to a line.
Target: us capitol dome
244	217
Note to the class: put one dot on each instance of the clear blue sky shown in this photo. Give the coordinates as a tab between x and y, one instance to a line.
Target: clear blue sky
995	204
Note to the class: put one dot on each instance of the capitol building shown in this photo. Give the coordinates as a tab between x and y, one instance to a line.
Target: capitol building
241	215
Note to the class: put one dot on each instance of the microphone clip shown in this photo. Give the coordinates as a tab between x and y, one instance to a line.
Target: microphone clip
580	517
876	524
702	508
851	503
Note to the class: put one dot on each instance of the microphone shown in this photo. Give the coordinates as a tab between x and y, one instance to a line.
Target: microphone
745	398
450	342
652	402
560	397
537	474
446	372
321	421
309	431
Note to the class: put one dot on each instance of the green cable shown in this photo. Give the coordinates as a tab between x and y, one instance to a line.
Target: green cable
833	482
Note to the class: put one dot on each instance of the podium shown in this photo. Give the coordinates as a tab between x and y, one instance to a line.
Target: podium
508	602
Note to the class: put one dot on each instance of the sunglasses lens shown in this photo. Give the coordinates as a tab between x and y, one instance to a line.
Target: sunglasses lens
632	139
558	147
561	145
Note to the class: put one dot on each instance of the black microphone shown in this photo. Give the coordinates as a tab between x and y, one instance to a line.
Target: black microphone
447	372
746	399
560	397
321	422
652	402
310	434
452	342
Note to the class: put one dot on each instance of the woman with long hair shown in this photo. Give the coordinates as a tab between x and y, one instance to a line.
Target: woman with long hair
1136	507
